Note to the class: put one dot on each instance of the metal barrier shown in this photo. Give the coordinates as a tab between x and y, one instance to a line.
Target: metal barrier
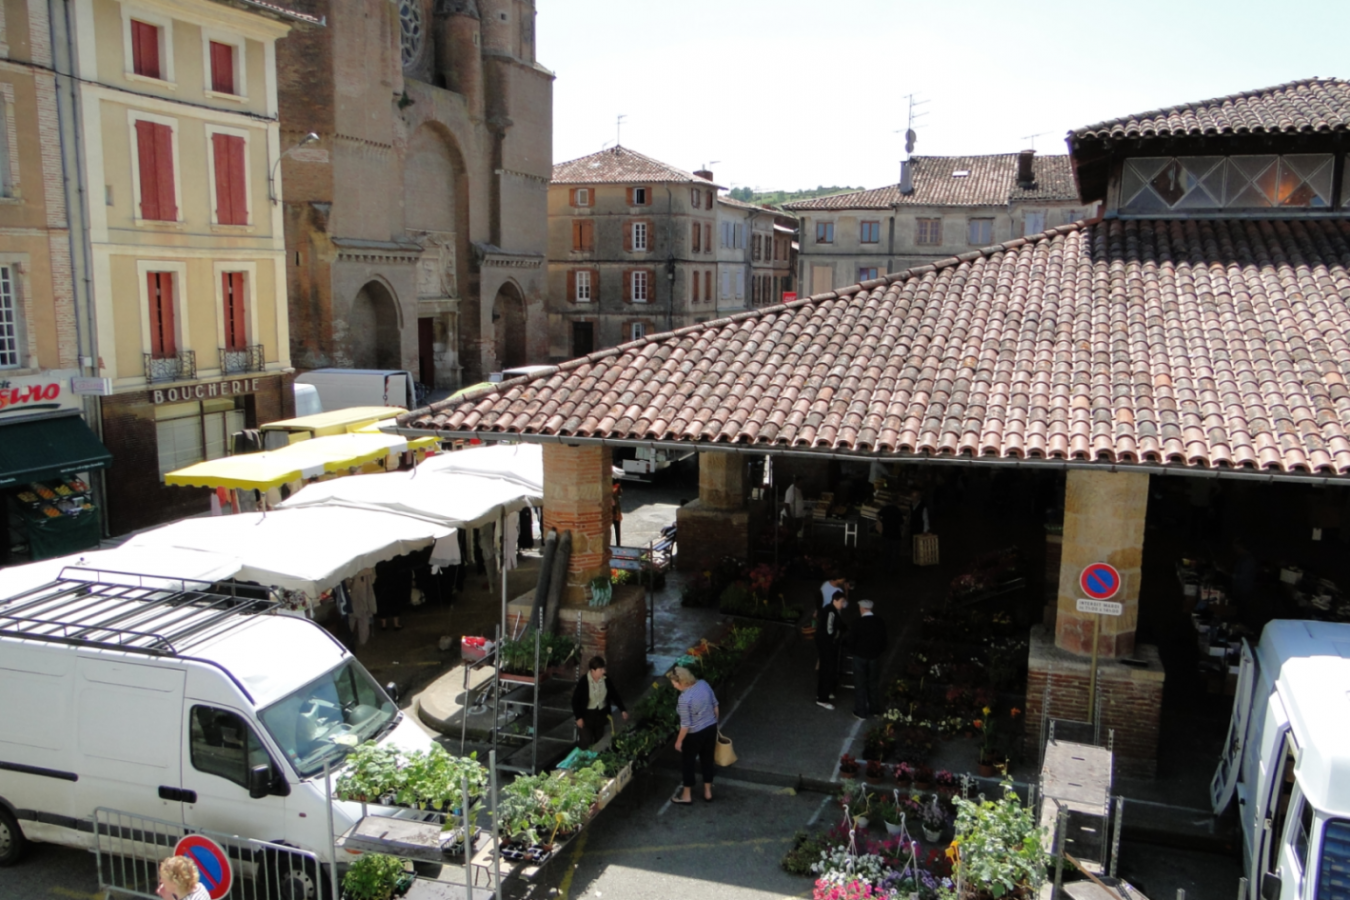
128	849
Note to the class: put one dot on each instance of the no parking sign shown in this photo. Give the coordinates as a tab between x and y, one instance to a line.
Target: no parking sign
212	864
1100	581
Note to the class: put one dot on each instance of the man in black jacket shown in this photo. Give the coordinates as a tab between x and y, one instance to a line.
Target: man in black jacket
867	643
592	700
829	637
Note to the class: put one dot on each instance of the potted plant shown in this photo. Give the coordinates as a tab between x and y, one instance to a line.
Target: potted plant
848	766
879	741
945	782
874	771
904	774
893	815
933	818
999	848
375	876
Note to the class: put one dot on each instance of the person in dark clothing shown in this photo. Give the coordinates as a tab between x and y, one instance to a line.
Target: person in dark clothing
393	588
867	643
592	701
829	640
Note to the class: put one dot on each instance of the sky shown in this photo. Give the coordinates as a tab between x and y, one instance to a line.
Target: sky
789	94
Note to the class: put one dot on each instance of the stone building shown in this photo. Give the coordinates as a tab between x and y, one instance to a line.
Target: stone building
756	253
632	250
944	205
415	224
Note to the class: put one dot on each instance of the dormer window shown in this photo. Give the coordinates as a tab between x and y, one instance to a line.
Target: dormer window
1159	184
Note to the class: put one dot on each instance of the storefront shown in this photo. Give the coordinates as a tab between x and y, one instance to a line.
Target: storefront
157	431
46	454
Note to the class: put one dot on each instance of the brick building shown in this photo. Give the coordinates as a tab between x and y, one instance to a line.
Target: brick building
415	225
943	205
632	249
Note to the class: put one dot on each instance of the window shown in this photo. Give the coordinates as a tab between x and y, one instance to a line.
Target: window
188	433
738	233
231	181
637	331
695	195
223	744
866	274
697	244
154	151
583	235
710	199
9	320
582	293
1033	222
641	284
236	310
707	237
1163	183
163	335
583	338
145	49
981	232
824	232
581	197
638	196
322	721
707	286
726	284
740	284
726	234
694	297
6	163
1303	834
929	231
222	68
871	232
639	236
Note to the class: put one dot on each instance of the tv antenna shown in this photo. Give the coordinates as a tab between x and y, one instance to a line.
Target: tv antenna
910	136
1032	137
618	129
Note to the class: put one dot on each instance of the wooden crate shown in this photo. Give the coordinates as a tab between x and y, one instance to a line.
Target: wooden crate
925	549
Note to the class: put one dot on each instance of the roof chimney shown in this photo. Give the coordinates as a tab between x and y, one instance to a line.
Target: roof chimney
906	177
704	173
1026	178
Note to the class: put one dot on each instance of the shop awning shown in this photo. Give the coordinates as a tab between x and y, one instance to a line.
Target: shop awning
338	421
306	459
48	447
122	565
521	464
455	500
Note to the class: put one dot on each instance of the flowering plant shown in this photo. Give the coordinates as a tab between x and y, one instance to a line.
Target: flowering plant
840	866
851	889
875	769
934	816
998	844
904	772
944	779
848	765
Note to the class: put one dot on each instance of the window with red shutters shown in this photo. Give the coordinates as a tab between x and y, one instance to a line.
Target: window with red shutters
236	310
697	246
707	285
583	235
145	49
231	196
707	237
222	68
694	281
154	147
163	339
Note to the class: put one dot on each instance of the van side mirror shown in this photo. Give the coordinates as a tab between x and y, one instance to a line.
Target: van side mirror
1270	886
259	781
392	690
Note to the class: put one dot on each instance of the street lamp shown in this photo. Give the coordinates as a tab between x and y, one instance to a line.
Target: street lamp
310	138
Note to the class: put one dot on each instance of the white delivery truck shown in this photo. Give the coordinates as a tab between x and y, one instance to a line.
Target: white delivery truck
177	702
345	388
1287	762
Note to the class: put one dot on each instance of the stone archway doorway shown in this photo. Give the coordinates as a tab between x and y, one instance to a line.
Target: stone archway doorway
375	338
508	327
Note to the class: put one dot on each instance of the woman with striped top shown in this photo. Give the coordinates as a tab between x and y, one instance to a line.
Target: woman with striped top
697	707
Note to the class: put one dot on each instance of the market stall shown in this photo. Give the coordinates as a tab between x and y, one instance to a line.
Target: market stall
456	500
518	463
200	566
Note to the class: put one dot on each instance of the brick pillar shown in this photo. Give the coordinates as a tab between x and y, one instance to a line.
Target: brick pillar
717	524
1103	522
577	498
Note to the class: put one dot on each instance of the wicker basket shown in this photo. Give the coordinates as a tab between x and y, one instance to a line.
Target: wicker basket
925	549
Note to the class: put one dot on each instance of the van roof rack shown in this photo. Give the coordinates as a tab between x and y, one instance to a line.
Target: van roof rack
149	614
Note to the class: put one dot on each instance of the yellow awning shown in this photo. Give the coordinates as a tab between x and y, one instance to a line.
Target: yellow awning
306	459
339	421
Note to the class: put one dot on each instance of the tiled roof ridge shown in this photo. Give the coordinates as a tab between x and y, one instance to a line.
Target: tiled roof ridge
476	394
1194	105
683	174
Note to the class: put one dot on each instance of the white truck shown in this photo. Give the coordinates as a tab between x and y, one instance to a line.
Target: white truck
168	700
1287	762
345	388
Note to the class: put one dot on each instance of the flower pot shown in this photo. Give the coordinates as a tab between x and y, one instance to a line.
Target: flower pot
893	830
931	837
848	773
986	770
523	679
860	822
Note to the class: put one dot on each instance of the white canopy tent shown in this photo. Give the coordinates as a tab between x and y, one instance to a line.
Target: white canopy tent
456	500
521	464
123	564
307	550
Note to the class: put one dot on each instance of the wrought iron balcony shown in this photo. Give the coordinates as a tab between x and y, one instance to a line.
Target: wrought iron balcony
182	366
248	359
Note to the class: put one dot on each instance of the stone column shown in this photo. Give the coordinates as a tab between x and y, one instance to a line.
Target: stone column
1103	522
717	524
577	489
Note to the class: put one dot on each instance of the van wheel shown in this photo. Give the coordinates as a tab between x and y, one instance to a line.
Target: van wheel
296	878
12	840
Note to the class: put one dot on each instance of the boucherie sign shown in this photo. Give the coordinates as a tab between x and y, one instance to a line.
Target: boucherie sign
205	391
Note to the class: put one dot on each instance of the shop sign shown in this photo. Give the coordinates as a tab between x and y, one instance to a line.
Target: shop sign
46	392
205	391
789	296
99	387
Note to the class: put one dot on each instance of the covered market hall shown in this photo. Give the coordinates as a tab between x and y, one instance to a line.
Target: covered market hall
1162	388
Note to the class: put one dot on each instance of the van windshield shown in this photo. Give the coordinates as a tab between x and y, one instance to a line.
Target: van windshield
326	718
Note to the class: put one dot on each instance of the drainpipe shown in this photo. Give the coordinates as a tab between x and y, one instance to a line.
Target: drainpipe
670	261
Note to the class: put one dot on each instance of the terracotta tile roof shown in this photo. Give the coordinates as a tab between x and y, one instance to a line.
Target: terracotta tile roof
619	165
1200	343
992	181
1311	105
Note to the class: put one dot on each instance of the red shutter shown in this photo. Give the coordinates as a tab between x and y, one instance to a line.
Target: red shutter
145	150
628	236
571	285
236	311
163	343
231	196
707	285
595	285
168	201
144	49
222	68
627	285
630	196
707	237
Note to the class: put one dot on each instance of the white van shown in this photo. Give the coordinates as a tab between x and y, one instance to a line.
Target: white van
161	699
345	388
1287	761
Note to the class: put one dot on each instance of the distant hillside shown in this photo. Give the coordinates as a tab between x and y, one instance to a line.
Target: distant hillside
775	198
